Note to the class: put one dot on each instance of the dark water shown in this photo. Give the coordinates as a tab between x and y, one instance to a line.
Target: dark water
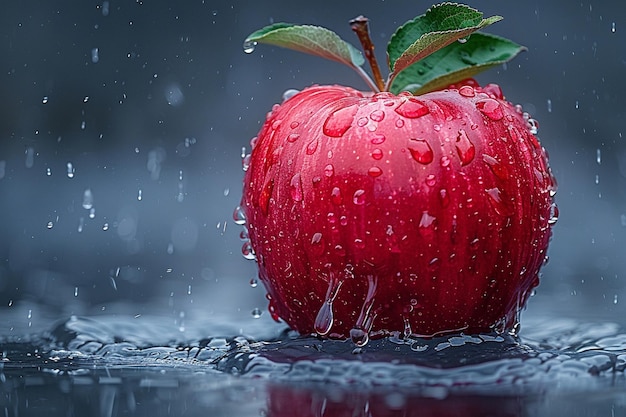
107	366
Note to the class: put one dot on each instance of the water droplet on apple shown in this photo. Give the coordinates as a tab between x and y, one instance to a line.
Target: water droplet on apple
359	197
399	123
426	220
533	126
497	168
317	244
248	46
377	139
289	93
247	251
335	195
374	172
359	337
498	202
339	122
490	108
359	244
444	198
377	154
329	170
362	121
412	108
360	333
245	162
420	151
467	91
554	214
494	91
239	216
325	316
294	124
377	115
464	147
265	196
316	239
312	146
295	188
293	137
444	161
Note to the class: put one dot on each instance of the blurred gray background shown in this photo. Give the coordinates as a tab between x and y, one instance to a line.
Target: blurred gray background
122	125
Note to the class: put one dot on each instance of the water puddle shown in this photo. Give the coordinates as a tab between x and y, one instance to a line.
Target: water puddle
105	366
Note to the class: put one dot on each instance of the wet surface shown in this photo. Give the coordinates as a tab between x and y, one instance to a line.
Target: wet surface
107	367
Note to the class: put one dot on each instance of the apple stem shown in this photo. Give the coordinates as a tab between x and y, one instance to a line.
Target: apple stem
360	25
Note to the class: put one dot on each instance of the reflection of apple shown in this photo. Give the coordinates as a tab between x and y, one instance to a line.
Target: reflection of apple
379	213
289	401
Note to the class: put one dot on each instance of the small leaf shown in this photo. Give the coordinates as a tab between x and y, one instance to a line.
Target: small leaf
456	62
440	26
312	40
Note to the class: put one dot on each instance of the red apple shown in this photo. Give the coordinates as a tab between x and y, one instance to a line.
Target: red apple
373	214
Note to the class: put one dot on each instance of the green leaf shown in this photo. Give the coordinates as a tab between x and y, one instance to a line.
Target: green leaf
456	62
440	26
312	40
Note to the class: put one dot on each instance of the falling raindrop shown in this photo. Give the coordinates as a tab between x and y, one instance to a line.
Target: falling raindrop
254	282
95	55
50	225
30	157
549	106
70	170
87	199
45	100
598	156
256	313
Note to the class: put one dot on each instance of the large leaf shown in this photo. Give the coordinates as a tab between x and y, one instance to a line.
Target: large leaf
456	62
312	40
440	26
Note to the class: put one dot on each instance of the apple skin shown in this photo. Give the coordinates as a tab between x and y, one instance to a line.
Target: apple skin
376	214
